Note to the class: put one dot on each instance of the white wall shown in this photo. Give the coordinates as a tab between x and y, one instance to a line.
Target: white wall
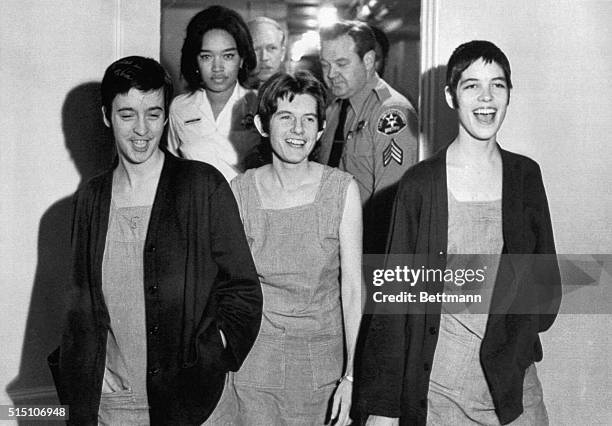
560	115
52	56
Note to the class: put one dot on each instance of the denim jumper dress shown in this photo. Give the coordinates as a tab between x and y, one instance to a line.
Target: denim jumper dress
123	289
458	391
289	376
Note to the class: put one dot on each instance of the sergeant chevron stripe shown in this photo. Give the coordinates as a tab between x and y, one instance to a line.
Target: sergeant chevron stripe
393	152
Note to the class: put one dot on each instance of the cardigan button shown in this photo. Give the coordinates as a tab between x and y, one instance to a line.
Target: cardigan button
154	371
154	330
433	330
153	289
426	366
441	253
423	403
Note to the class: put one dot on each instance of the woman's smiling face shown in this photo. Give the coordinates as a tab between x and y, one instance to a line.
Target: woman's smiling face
294	128
482	97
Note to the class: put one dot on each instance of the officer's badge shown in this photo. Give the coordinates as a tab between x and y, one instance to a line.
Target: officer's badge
247	121
393	152
391	121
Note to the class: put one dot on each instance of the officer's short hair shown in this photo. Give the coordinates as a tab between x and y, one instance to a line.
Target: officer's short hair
221	18
360	32
282	85
134	72
382	45
468	53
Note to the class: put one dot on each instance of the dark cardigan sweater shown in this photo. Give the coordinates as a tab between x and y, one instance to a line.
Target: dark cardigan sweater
199	277
399	349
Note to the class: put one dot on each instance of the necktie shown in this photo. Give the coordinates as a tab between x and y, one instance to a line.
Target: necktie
338	145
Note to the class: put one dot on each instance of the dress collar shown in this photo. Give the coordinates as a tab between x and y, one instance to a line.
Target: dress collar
238	93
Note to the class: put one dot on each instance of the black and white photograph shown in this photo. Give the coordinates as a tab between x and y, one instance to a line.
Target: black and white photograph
306	212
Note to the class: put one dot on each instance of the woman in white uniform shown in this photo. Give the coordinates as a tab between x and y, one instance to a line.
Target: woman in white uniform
213	122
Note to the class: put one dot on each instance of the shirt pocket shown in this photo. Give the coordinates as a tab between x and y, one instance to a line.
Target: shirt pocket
361	141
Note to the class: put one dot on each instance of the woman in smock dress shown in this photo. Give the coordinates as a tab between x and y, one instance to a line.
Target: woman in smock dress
472	206
303	224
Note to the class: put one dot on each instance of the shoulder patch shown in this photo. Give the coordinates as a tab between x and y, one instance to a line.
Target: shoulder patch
391	121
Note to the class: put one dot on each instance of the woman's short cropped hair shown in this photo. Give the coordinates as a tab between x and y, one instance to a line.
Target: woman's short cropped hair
468	53
134	72
282	85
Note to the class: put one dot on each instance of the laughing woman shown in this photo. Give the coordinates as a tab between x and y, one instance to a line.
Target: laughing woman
213	122
164	297
303	224
437	365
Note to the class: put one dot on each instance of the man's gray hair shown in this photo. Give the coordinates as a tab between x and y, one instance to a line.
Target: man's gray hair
265	20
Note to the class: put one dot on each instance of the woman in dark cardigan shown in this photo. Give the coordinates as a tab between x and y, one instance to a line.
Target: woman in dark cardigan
164	296
436	364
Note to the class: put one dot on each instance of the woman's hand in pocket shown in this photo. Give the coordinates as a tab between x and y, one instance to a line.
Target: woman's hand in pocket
112	382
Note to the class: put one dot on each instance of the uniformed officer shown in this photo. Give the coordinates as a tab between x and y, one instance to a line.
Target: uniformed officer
213	122
371	128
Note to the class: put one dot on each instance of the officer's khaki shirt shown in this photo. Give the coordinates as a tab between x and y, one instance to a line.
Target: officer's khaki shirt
381	131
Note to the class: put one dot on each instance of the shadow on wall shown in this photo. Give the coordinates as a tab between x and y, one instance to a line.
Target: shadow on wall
92	150
440	122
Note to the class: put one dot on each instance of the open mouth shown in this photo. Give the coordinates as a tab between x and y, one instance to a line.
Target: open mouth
140	144
297	143
485	115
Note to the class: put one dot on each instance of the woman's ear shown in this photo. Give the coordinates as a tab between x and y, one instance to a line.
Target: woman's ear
320	132
259	126
106	122
449	98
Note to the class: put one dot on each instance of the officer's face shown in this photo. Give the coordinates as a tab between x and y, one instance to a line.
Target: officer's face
218	61
482	99
137	119
345	73
268	45
294	129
